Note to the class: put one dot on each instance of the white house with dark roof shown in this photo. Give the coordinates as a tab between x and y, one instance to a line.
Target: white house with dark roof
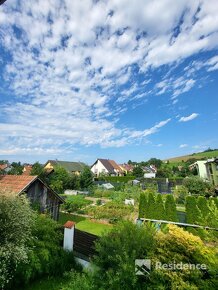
106	167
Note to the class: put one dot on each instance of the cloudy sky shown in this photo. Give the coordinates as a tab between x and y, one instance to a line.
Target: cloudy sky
113	79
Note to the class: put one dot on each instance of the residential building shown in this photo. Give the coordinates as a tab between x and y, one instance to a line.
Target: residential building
212	170
38	193
70	167
106	167
27	169
201	169
126	168
5	168
149	171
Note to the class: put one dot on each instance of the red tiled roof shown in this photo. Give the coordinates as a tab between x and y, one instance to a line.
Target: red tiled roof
69	224
27	169
15	183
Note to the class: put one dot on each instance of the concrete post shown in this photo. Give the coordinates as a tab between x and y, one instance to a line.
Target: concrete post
68	235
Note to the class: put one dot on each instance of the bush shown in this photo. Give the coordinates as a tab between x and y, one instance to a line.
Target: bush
16	220
115	179
150	210
142	205
196	185
170	209
180	194
113	211
160	213
193	214
46	256
75	203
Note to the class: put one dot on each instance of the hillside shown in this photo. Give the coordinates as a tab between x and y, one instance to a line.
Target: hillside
197	156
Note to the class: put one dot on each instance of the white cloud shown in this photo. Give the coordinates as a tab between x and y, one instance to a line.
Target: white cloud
189	118
183	145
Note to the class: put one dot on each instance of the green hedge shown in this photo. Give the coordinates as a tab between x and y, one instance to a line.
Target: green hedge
115	178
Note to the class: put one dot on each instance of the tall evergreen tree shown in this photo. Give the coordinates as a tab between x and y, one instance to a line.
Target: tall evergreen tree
203	205
170	209
142	205
150	210
160	210
193	214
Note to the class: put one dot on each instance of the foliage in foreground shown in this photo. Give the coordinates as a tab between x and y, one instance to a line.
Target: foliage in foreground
16	219
30	244
46	255
118	250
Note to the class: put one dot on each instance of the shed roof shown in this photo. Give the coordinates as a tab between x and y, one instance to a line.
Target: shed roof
19	183
16	183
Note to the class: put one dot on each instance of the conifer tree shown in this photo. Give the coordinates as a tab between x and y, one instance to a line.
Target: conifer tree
193	214
142	205
170	209
203	206
160	210
150	210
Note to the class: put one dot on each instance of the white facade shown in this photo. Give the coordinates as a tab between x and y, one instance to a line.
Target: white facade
68	239
201	168
150	175
98	168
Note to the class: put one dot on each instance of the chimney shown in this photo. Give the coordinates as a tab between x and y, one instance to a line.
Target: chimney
69	235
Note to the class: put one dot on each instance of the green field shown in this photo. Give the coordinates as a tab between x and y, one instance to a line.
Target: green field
85	224
197	156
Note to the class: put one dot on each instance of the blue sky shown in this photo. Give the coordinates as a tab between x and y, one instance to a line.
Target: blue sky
123	79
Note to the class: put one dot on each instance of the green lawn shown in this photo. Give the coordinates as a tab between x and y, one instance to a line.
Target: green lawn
85	224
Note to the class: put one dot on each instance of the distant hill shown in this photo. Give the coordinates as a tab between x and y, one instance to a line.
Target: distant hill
198	156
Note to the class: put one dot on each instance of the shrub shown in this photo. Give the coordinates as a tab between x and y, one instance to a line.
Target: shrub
150	209
46	255
202	204
193	214
142	205
16	220
170	208
180	194
196	185
75	202
160	210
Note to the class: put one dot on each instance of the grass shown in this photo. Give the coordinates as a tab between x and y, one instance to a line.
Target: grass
197	156
85	224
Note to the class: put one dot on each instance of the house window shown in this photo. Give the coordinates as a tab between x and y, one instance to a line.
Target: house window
103	170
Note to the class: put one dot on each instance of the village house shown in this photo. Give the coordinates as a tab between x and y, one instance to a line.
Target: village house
5	168
39	194
149	171
212	170
106	167
201	169
126	168
27	169
70	167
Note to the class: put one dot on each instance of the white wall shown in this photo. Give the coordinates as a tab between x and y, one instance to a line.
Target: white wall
98	168
68	239
202	170
149	175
